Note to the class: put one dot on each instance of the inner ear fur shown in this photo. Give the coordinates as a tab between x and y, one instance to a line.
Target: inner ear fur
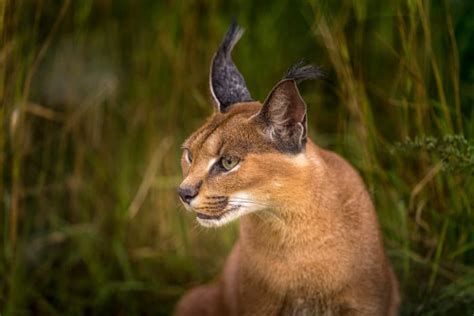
284	116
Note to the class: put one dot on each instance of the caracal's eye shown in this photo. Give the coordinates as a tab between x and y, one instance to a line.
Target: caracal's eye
228	162
188	156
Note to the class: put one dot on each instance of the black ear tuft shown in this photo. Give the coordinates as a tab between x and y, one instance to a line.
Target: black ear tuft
300	72
226	82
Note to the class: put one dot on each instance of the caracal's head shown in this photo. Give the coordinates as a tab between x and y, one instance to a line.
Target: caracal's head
247	152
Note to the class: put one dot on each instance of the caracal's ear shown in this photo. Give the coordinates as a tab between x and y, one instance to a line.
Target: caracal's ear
284	111
226	82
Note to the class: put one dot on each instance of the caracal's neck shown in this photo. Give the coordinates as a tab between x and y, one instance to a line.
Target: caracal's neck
302	219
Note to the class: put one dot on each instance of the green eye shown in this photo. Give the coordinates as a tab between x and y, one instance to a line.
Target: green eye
228	162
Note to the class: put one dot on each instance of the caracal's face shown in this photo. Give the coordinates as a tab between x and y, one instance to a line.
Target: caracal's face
231	168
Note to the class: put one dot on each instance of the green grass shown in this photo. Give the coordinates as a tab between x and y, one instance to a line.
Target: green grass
97	97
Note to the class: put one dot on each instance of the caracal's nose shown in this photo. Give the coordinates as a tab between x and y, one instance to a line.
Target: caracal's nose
188	192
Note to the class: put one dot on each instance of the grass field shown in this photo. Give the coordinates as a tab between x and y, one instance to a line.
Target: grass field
97	97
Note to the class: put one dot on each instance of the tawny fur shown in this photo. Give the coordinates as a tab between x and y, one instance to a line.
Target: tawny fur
314	249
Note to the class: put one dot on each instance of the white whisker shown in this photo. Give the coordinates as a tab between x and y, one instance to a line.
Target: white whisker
239	200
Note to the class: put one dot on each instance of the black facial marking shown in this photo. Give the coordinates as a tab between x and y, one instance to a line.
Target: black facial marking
216	197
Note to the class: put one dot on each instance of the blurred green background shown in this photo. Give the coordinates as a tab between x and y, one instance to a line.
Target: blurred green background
97	97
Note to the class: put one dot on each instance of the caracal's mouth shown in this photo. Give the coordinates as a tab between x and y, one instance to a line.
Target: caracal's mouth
220	210
220	219
217	215
205	216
